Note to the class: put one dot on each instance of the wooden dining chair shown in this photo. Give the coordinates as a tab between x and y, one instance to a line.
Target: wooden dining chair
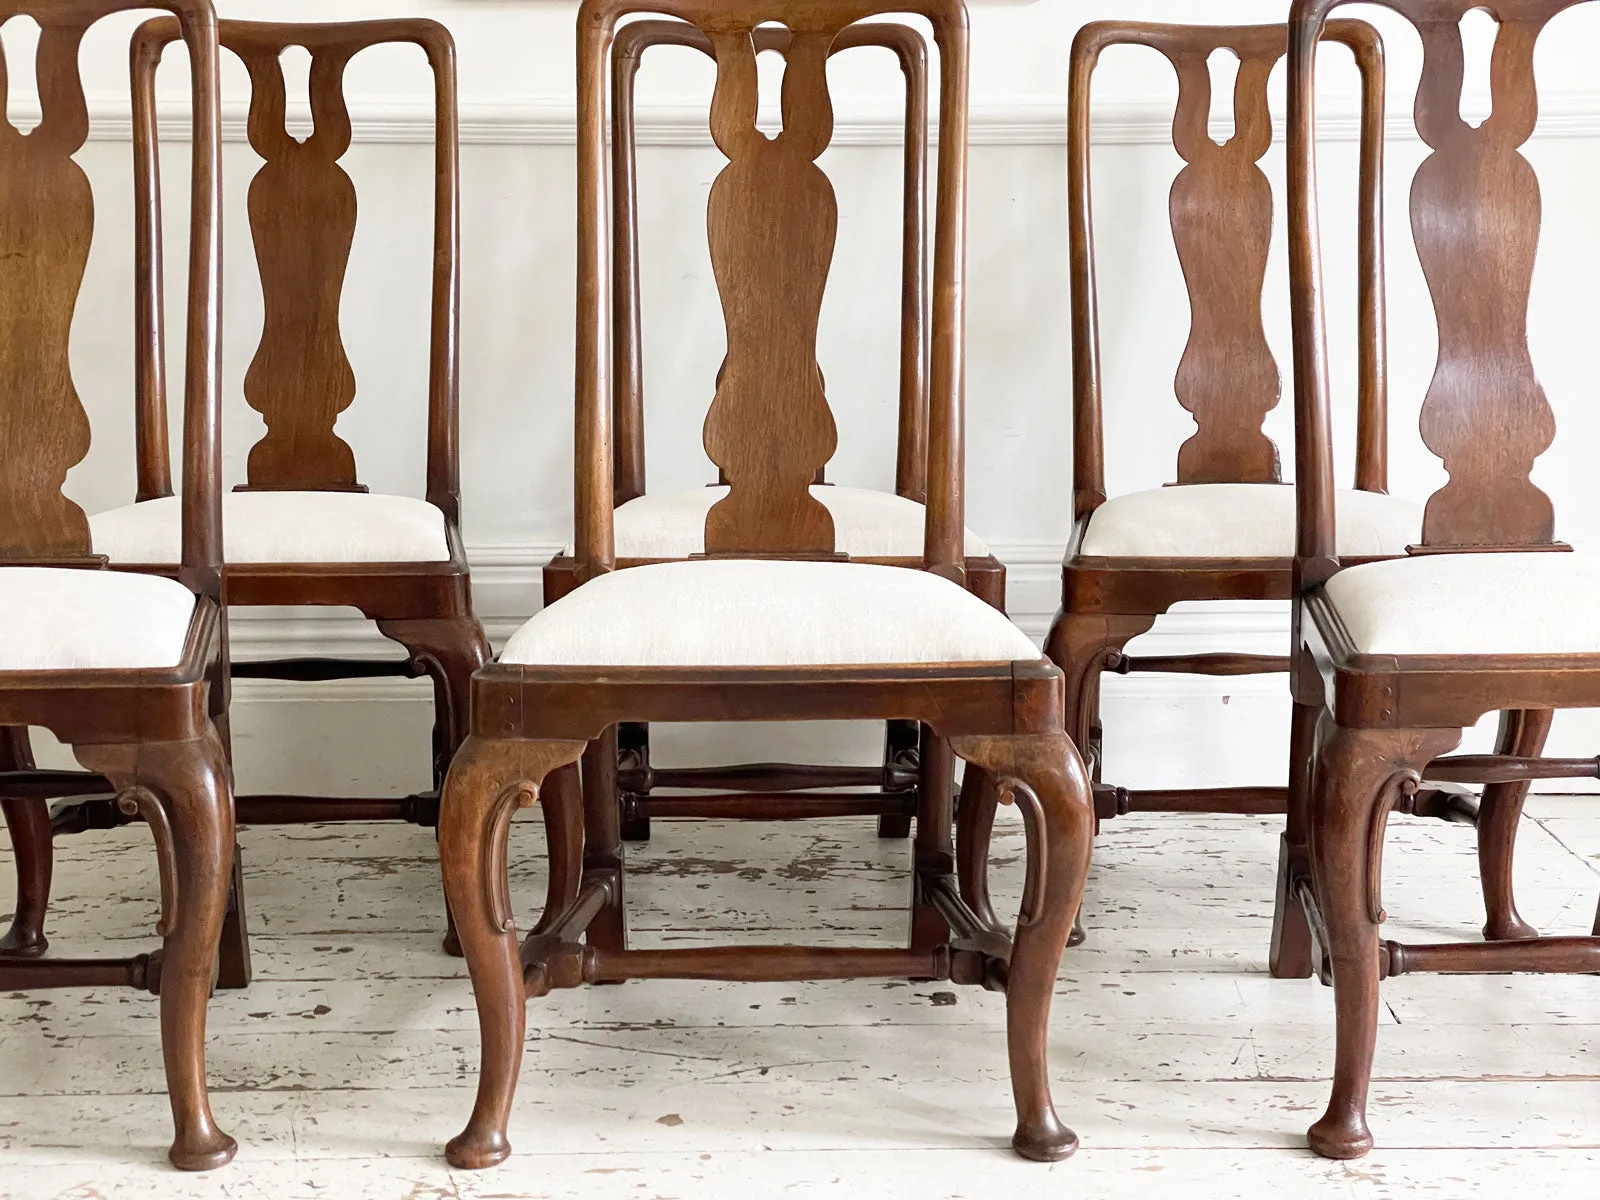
669	525
1393	659
302	531
128	670
1224	529
773	622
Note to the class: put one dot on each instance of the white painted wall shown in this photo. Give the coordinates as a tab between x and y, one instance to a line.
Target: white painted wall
516	88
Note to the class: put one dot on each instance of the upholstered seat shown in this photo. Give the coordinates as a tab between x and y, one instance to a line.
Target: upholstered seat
1540	603
60	619
284	527
866	523
1241	520
759	613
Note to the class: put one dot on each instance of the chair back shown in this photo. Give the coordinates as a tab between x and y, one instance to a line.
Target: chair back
1475	223
46	225
1221	212
302	210
771	220
632	39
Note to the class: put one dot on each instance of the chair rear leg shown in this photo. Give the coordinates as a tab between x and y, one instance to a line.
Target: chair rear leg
1522	733
602	839
633	753
234	969
974	832
902	746
562	808
933	851
1290	956
28	822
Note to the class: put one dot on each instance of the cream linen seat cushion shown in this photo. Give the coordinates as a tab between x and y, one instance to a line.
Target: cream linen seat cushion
761	613
1241	520
58	619
283	527
1542	603
866	523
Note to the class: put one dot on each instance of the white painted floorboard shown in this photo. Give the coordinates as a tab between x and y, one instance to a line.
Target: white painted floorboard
1186	1070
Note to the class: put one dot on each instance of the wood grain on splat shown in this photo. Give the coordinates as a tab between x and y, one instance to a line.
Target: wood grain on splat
771	221
1475	216
46	223
302	216
1221	210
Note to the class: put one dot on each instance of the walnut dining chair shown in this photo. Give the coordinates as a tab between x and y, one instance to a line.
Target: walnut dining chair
303	531
669	525
128	670
772	622
1224	529
1487	612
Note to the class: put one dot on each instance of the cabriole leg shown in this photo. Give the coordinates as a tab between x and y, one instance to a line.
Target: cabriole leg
1359	775
1080	644
449	649
28	822
488	781
1045	776
181	789
1522	733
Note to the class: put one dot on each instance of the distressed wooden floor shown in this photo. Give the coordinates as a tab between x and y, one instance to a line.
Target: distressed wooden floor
1185	1069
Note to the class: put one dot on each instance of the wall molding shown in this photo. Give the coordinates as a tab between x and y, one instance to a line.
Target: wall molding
548	121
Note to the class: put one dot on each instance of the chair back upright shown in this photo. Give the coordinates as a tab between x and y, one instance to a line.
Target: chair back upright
46	225
771	221
302	211
1475	218
1221	212
632	39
